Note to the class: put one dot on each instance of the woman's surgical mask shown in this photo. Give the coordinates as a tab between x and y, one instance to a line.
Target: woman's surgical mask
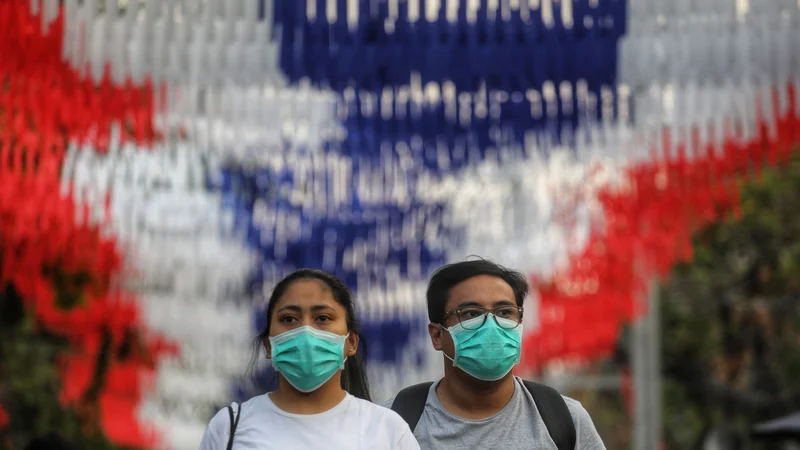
489	352
308	357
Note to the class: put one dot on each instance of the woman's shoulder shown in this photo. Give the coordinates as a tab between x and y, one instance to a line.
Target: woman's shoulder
222	419
380	413
387	426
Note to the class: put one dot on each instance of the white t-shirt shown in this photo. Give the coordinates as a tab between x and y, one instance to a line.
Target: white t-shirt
352	424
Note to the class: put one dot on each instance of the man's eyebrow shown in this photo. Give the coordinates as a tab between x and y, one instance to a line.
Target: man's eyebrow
472	303
468	304
505	302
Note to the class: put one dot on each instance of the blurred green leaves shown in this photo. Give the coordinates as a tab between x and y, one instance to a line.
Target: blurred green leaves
731	317
31	382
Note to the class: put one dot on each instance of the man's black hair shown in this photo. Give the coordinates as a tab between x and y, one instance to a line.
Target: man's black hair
452	274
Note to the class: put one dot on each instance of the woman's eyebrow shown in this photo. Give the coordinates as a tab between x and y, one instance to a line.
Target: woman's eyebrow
290	308
321	307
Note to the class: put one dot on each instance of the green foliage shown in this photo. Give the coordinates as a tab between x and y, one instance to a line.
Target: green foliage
731	317
31	383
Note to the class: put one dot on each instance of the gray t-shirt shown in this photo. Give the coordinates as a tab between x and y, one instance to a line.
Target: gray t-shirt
518	426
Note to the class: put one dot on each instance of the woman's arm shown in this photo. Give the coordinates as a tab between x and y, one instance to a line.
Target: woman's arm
216	435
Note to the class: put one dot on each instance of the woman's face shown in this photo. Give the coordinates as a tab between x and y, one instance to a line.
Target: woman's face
308	302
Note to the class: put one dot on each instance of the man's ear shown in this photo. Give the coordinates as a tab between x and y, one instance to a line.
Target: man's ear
351	344
435	330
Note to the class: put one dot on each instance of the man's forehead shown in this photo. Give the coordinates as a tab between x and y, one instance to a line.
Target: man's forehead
483	289
483	283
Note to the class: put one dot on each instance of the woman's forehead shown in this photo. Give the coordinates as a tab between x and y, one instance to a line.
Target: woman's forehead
308	293
307	287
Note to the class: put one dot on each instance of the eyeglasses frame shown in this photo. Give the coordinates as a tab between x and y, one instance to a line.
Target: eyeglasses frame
486	312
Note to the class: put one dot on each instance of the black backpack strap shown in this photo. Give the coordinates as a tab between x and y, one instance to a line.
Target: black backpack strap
555	414
410	402
234	424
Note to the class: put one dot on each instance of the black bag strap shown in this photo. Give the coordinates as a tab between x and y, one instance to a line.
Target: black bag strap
410	402
234	424
555	414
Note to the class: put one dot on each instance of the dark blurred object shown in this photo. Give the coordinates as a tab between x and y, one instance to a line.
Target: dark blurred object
787	427
50	441
723	438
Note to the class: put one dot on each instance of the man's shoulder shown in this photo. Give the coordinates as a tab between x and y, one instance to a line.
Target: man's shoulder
587	436
425	385
576	409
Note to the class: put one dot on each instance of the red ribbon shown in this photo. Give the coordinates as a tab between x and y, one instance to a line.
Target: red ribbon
647	231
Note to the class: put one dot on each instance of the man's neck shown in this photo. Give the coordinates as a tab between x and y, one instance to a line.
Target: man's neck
290	400
473	399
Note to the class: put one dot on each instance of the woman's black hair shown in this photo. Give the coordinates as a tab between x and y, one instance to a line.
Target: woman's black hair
354	377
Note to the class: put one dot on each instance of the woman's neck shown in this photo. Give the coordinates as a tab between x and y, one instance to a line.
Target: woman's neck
290	400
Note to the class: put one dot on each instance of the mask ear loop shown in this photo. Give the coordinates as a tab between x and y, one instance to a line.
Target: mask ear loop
345	340
454	342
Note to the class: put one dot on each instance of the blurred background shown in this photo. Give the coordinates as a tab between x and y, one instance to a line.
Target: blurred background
164	162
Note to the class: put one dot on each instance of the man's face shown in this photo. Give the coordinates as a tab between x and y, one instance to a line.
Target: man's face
484	291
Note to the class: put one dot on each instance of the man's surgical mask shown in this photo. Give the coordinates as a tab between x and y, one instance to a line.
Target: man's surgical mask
487	353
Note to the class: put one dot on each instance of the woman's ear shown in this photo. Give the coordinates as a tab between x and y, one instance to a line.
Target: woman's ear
267	348
351	344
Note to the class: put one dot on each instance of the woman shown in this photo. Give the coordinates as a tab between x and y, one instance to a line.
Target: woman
322	400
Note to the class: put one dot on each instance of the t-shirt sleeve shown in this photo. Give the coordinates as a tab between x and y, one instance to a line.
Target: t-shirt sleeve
407	441
216	435
404	438
587	436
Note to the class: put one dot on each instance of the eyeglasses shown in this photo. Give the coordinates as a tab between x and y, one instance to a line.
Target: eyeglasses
511	314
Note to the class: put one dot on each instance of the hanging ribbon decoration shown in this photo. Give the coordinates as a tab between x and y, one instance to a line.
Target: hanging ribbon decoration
389	113
44	235
648	228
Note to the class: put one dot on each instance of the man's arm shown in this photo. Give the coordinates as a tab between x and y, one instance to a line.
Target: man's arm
586	434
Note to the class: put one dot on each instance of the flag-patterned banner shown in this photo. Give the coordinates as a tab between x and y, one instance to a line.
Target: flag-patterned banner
188	154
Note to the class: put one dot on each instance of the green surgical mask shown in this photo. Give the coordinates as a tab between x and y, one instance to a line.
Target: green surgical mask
308	357
489	352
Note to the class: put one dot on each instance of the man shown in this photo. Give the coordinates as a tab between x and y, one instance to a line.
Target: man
475	309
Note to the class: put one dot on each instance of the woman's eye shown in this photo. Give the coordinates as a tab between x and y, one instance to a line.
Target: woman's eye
287	319
324	319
